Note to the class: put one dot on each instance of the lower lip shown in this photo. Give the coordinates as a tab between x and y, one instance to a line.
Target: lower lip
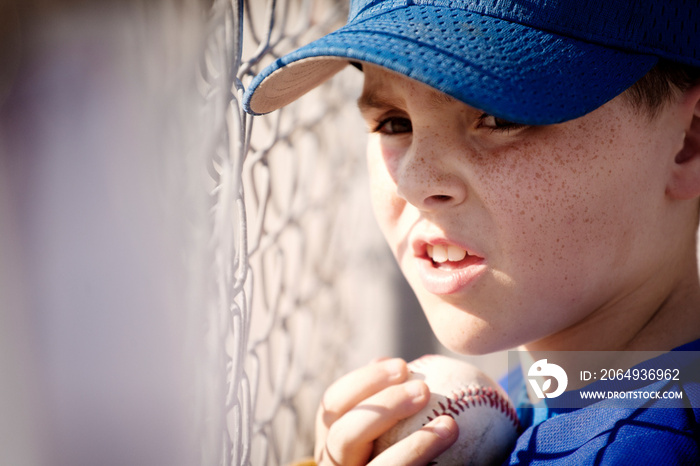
445	282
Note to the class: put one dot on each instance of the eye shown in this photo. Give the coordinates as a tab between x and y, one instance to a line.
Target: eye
394	125
497	124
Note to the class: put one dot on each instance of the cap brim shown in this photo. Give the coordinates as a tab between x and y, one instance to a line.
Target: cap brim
506	69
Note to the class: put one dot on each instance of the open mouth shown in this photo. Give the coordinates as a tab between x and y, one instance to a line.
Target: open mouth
447	268
448	257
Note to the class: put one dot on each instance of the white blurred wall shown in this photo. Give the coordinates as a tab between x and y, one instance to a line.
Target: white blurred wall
94	361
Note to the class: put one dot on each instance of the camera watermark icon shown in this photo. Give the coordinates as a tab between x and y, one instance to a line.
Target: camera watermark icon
541	369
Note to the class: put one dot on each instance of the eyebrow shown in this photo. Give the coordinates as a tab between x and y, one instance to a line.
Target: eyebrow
440	99
374	100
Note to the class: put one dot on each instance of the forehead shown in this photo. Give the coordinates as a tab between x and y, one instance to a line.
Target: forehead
384	88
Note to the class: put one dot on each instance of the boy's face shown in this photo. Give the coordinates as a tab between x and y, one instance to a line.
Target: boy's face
565	227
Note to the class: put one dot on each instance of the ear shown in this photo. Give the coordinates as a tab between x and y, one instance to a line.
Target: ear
685	178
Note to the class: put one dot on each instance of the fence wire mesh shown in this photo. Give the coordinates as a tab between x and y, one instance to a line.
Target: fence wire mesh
279	235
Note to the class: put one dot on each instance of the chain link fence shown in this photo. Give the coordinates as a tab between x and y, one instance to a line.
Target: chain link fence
289	321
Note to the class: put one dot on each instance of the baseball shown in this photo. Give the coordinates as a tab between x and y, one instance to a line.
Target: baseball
488	424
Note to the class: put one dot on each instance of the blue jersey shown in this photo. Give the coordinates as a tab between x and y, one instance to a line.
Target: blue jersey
644	432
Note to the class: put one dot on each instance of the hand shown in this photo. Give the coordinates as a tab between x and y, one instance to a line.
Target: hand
362	405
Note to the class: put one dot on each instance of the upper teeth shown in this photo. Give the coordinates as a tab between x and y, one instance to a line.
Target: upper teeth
440	253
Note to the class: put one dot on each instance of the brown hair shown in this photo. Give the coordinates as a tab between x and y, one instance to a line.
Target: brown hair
662	83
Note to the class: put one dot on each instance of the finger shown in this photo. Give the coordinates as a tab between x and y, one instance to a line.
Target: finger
358	385
351	389
422	446
351	438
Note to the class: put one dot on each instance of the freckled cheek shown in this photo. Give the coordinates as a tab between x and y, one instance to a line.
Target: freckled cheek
554	219
531	202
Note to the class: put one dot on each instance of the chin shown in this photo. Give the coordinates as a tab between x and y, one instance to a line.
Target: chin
473	346
469	335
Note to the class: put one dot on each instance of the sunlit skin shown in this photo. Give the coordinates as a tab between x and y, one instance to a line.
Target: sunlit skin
587	239
580	236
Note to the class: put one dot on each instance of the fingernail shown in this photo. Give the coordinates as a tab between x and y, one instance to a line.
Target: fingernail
443	429
415	389
395	368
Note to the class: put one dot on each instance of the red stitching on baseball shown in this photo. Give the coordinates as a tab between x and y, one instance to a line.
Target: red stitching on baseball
476	396
450	407
468	397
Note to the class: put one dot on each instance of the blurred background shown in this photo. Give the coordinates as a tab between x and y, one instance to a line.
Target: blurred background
179	282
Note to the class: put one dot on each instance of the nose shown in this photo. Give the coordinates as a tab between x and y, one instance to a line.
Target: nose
427	177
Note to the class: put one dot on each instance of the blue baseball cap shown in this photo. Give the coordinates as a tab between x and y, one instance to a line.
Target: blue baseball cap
528	61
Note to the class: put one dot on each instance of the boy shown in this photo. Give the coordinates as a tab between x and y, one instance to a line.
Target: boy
535	168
